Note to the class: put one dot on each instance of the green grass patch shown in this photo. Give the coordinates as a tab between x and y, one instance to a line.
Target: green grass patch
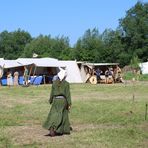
108	112
130	76
101	116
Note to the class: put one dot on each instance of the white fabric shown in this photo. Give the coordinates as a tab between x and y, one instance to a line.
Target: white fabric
62	74
1	71
144	67
73	72
9	63
41	62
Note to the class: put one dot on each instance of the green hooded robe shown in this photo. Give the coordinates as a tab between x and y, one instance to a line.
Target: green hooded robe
58	116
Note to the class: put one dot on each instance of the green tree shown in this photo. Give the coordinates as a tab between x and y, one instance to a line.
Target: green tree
113	46
135	31
60	48
135	62
12	43
89	47
41	46
45	46
67	54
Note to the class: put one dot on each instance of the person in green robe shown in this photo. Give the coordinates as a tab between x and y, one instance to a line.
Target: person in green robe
25	75
60	98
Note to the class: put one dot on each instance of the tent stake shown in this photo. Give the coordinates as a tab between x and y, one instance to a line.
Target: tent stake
146	111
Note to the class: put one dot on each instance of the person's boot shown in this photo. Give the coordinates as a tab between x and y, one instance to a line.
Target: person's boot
47	134
52	132
71	128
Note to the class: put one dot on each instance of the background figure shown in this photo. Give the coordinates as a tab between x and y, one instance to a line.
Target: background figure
58	120
25	75
9	79
15	81
106	76
116	74
98	73
1	73
110	77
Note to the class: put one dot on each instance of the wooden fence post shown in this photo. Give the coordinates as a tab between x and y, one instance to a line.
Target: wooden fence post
146	111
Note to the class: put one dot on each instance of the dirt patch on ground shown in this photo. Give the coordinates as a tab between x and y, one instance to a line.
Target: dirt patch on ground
143	144
27	135
144	126
35	134
23	135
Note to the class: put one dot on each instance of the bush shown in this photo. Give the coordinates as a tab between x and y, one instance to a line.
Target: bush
130	76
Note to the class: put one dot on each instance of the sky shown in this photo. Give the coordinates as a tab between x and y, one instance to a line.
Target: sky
69	18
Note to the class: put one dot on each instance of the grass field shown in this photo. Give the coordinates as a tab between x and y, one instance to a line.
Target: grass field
102	116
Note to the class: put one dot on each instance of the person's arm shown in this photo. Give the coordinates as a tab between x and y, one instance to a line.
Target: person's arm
51	95
68	95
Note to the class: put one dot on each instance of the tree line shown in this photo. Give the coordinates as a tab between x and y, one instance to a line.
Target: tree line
128	41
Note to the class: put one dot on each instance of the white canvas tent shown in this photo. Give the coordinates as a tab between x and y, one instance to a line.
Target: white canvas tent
42	65
83	72
73	72
144	67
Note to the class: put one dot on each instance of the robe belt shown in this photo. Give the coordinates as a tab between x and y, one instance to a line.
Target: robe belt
59	97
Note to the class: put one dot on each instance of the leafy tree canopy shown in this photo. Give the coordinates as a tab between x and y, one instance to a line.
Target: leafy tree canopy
12	43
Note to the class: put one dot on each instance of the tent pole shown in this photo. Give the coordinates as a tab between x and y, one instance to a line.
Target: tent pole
30	70
34	70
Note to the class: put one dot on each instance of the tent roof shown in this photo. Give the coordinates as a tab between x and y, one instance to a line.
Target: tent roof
101	64
9	63
41	62
92	65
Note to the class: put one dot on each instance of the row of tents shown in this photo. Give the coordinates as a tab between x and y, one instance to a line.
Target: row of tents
42	67
48	67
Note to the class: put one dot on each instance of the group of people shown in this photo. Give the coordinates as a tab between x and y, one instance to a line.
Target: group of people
113	75
10	80
13	79
107	75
